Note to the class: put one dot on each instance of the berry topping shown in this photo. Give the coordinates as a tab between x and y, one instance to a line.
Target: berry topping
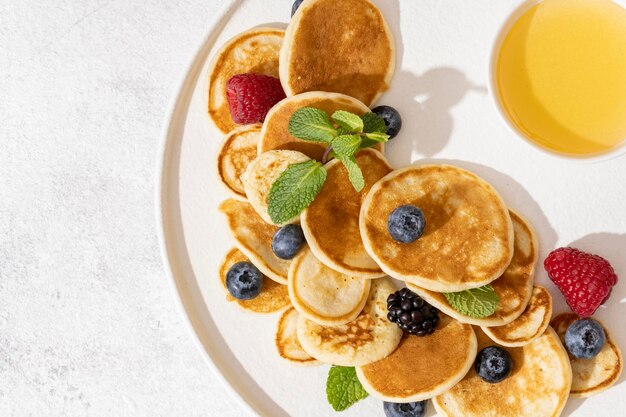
493	364
406	224
244	281
392	118
585	338
584	279
417	409
251	96
294	7
411	313
287	241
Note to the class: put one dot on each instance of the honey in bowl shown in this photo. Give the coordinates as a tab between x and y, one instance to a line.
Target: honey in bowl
560	75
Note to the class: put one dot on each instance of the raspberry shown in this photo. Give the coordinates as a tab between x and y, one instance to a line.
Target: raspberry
251	96
585	280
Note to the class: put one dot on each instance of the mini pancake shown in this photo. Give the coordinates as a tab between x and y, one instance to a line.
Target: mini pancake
514	287
275	132
527	327
323	295
273	297
340	46
592	376
538	385
468	240
238	149
254	51
331	224
422	367
261	174
253	237
287	343
368	338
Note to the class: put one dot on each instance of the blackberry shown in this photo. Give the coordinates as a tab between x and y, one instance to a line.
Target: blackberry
411	313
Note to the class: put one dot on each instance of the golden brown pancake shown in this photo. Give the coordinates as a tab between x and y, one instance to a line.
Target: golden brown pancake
253	237
339	46
256	51
514	287
592	376
273	297
331	222
368	338
323	295
538	385
468	239
527	327
275	133
422	367
287	343
237	151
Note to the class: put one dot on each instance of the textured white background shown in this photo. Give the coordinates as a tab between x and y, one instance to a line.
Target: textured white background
88	324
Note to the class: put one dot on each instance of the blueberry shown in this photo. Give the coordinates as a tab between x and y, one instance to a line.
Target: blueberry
417	409
585	338
392	118
493	364
406	224
287	241
295	6
244	281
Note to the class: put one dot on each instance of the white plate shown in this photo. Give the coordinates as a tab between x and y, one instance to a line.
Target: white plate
440	89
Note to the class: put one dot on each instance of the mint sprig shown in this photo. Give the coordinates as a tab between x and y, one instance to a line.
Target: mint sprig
373	123
477	303
344	134
354	172
295	189
343	388
312	125
350	122
346	146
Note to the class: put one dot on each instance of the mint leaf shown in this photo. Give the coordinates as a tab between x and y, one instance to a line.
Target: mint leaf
312	125
373	123
346	145
343	388
354	172
377	137
348	121
295	189
373	139
477	303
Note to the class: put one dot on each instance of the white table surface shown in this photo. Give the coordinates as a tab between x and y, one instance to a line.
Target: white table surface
88	323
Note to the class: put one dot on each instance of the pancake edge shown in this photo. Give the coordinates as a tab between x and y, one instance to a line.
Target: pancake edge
442	388
307	312
285	51
226	141
540	330
431	285
364	273
324	95
487	322
304	364
605	385
564	359
341	361
256	260
239	303
216	58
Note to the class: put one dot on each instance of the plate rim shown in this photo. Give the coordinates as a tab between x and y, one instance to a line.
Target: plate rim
180	91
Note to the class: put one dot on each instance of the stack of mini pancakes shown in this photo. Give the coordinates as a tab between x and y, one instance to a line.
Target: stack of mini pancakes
340	56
